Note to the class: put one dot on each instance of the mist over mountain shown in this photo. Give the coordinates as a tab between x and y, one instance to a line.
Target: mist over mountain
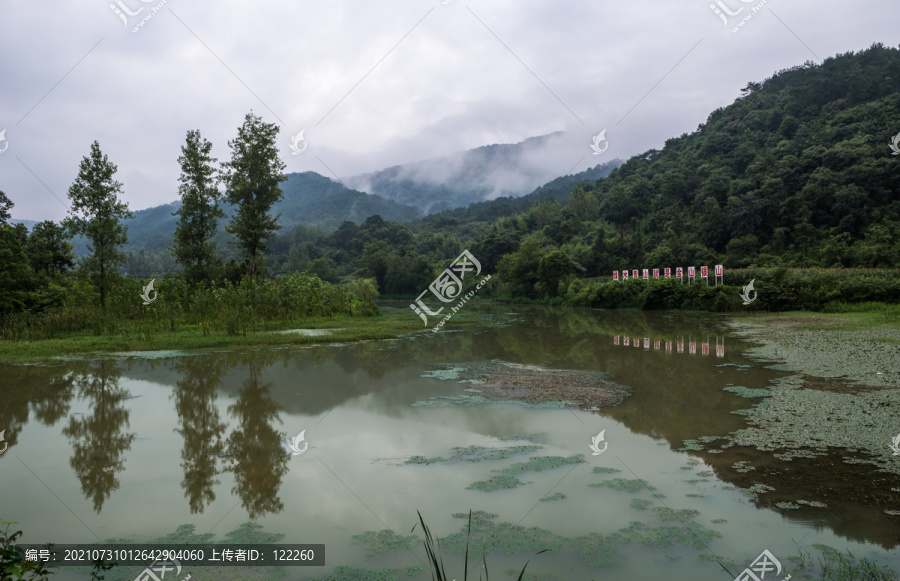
477	175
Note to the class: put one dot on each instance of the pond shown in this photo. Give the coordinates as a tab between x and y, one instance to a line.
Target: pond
195	447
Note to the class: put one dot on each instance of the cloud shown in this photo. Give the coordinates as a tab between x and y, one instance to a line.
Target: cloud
379	83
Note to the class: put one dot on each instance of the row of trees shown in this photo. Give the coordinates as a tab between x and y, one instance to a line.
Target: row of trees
33	266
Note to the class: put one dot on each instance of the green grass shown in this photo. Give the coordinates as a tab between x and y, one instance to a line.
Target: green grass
142	336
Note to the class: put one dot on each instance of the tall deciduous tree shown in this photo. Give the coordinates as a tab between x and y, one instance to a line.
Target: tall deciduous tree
199	212
97	213
251	178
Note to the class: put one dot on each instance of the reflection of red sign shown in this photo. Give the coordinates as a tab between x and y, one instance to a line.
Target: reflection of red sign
636	342
626	342
720	350
691	272
704	272
705	348
655	273
646	342
668	273
656	344
624	275
646	274
634	273
719	270
616	340
615	275
692	347
668	346
679	273
681	346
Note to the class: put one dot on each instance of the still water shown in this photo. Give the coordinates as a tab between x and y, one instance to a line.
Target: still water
132	447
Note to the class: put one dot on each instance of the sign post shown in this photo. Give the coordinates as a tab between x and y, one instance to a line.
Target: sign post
691	274
720	272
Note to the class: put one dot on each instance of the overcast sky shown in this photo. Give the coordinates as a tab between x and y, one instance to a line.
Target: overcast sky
383	82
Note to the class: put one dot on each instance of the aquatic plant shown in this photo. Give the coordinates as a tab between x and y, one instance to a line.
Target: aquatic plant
477	454
436	560
554	496
632	486
541	463
604	470
641	504
494	483
380	543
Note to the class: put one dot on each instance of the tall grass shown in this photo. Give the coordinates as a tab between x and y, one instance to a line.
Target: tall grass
227	310
436	559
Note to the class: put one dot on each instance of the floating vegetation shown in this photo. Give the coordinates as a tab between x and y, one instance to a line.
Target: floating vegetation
699	444
444	374
667	514
718	521
743	466
541	463
477	454
748	392
641	504
632	486
605	470
786	505
595	549
690	534
530	384
693	462
814	503
494	483
756	490
529	437
695	495
380	543
446	401
554	496
696	480
687	468
487	536
342	573
706	474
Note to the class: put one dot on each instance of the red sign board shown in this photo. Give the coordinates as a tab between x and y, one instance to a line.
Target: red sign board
624	275
646	274
668	273
679	273
655	273
634	273
626	342
615	275
691	272
719	270
616	340
704	272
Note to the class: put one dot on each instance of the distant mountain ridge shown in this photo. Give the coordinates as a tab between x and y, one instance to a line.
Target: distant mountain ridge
467	177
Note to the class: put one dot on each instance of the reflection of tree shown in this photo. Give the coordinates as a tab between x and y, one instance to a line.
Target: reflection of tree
255	448
98	440
195	403
46	390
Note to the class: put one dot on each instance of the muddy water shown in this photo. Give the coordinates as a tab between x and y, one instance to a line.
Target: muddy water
133	447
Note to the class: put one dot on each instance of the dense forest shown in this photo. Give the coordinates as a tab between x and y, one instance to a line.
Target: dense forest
797	172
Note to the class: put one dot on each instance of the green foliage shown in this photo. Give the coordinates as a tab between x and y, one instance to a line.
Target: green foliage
199	214
97	213
251	178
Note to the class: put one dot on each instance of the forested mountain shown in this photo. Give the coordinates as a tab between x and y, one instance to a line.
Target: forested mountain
468	177
798	171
